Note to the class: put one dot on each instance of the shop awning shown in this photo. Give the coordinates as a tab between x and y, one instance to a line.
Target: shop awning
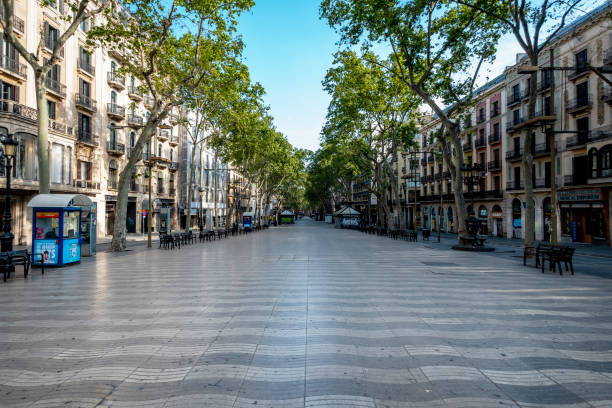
60	200
347	212
286	212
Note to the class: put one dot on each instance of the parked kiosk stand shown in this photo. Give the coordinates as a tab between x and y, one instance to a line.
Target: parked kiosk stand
247	220
56	227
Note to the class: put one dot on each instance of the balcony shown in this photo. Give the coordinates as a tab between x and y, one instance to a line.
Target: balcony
58	126
160	189
17	111
480	118
115	80
134	93
149	101
13	67
495	113
480	141
112	184
544	86
446	175
513	99
423	162
494	165
134	120
55	87
607	60
514	185
146	156
487	194
115	111
512	123
163	135
525	94
514	155
115	149
88	185
173	166
494	138
430	158
18	24
542	182
577	141
467	147
86	67
134	186
171	191
87	137
579	104
600	134
85	102
541	149
581	70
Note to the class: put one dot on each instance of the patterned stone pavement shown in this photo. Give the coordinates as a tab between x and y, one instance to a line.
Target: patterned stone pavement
305	316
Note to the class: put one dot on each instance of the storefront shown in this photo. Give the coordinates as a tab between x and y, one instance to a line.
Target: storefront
484	221
584	215
497	221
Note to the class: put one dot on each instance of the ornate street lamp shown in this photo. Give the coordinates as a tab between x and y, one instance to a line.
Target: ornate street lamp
9	145
472	174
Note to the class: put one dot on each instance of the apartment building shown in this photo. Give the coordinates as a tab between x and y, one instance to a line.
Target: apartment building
95	117
482	134
581	117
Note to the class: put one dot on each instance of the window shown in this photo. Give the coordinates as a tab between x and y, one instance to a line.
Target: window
53	78
605	158
113	68
85	25
481	114
516	213
57	5
71	224
516	116
84	87
112	174
132	139
582	93
581	60
57	163
83	170
547	110
51	36
495	110
112	138
496	130
68	166
582	126
27	162
546	79
51	108
159	150
10	92
113	99
593	163
84	123
171	155
516	92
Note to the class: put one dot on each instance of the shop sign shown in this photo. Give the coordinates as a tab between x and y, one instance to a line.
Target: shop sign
587	194
497	214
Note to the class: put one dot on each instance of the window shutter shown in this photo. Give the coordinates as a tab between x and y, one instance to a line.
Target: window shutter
78	170
88	170
16	94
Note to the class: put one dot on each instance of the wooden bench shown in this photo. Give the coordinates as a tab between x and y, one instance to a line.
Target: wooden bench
556	256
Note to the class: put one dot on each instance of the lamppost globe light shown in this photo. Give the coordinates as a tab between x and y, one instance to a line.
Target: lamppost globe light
9	146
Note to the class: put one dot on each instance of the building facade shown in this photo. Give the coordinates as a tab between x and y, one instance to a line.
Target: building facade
95	117
575	103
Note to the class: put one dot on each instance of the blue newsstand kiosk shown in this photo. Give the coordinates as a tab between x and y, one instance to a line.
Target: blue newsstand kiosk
56	227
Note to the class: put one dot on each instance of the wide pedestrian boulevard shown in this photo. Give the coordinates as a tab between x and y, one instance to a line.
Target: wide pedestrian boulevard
305	316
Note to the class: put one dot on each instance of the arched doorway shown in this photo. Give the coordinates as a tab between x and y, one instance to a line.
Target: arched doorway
516	218
483	215
546	219
497	216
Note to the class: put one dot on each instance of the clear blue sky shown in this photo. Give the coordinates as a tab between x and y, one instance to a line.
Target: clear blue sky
288	50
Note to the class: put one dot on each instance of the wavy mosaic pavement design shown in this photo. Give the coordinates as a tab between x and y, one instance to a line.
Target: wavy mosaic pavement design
305	316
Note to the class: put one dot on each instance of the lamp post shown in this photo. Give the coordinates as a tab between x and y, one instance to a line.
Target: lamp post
472	174
6	241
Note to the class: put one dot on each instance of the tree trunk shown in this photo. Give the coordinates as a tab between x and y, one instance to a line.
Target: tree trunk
201	221
118	244
44	186
214	223
528	163
457	181
190	188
